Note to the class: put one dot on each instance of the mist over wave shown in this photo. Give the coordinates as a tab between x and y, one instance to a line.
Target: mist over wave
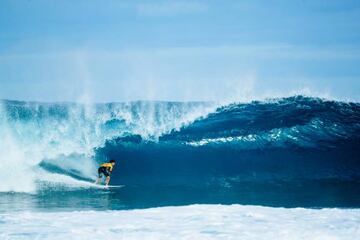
192	152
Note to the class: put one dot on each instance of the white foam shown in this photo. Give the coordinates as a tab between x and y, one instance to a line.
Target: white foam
16	174
186	222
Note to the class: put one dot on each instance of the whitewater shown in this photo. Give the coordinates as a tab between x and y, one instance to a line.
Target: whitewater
188	222
285	168
66	135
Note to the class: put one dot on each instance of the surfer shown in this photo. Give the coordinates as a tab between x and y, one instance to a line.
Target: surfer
105	169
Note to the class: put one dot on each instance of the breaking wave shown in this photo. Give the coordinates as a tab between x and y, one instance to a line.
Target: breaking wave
197	144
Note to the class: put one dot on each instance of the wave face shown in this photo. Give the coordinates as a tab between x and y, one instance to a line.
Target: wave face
297	151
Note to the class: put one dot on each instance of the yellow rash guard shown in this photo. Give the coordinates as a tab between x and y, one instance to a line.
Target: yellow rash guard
108	166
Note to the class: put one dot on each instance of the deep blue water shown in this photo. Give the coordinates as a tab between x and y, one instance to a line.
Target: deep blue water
290	152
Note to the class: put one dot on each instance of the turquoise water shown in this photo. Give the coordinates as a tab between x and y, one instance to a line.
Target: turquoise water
276	194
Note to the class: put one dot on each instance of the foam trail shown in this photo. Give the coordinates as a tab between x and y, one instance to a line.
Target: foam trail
54	180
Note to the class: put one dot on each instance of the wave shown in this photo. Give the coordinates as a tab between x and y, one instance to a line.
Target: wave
292	145
170	143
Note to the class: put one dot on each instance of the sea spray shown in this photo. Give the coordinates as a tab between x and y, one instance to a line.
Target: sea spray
64	136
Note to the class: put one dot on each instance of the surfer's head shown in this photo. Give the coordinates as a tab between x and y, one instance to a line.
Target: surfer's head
112	161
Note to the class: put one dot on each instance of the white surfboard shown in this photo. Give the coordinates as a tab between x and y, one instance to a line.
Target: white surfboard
114	186
109	186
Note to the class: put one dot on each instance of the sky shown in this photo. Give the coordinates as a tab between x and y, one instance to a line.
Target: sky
215	50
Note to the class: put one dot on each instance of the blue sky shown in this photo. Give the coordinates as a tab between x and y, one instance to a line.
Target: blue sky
178	50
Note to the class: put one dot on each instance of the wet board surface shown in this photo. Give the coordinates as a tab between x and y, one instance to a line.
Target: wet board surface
110	186
105	187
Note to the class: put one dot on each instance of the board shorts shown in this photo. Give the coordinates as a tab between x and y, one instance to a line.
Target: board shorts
103	171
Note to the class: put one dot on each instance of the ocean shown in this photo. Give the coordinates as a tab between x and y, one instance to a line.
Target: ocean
287	164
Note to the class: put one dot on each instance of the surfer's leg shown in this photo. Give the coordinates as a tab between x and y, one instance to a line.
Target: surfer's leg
98	180
107	180
99	176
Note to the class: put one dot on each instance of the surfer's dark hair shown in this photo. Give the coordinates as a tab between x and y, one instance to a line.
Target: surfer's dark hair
112	161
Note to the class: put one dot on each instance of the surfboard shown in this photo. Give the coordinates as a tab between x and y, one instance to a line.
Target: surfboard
109	186
114	186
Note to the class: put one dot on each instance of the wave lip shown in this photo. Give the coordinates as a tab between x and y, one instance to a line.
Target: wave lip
295	121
